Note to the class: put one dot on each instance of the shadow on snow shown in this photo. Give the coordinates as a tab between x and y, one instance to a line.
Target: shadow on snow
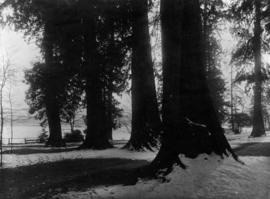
253	149
80	174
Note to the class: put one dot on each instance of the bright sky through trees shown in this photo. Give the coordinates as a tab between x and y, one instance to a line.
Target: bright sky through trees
23	53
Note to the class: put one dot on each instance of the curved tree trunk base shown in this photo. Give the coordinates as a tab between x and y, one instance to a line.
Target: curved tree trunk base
256	133
131	146
96	145
236	131
60	143
143	140
197	140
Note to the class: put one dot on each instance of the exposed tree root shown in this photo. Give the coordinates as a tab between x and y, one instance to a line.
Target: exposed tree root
143	146
196	140
99	145
58	143
144	140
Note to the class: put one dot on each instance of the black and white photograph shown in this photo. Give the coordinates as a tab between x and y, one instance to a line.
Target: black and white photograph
134	99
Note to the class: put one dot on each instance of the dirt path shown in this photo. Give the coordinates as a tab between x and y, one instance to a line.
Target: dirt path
46	179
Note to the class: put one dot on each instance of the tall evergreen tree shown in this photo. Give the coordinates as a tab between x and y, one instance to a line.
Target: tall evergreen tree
145	116
51	101
77	43
258	124
103	65
43	20
113	50
186	97
249	48
96	131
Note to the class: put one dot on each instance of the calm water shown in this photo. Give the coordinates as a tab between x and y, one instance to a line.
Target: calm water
20	132
25	131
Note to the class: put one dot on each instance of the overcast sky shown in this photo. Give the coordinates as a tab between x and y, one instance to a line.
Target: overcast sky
21	55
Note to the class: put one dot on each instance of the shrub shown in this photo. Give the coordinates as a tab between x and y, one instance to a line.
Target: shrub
43	137
74	136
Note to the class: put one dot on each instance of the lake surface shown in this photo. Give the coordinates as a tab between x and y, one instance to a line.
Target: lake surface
20	132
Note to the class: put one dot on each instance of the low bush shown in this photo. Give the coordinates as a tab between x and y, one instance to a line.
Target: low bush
74	136
43	137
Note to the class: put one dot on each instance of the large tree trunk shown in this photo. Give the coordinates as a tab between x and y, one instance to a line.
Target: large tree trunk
186	97
258	125
109	116
96	136
51	103
145	116
52	111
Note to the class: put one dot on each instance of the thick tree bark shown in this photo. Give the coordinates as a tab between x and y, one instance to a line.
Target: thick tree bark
96	136
186	95
52	111
51	103
145	115
109	116
258	125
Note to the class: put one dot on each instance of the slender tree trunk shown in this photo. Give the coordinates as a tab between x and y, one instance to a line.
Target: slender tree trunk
2	125
258	125
235	128
191	124
72	123
232	105
268	121
109	83
96	136
51	103
11	118
145	116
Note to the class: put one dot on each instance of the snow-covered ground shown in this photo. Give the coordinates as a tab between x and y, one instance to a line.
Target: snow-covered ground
12	160
203	179
207	177
238	139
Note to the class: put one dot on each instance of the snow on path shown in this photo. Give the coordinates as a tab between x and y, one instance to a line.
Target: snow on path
203	179
12	160
238	139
